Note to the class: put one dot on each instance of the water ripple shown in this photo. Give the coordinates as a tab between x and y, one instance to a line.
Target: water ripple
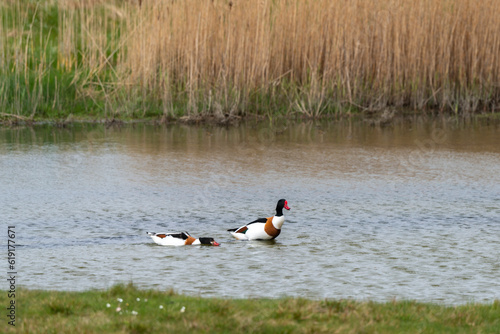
368	221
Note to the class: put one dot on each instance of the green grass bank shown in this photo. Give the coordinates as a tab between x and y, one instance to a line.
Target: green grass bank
126	309
163	60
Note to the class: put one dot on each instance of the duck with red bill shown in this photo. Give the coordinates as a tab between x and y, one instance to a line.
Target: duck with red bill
263	228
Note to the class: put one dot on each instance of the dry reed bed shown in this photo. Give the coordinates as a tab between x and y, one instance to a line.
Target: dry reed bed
311	57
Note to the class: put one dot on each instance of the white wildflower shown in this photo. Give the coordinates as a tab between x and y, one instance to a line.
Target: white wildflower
134	313
183	309
108	305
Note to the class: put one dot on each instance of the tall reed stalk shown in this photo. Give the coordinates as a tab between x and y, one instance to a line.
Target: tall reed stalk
217	57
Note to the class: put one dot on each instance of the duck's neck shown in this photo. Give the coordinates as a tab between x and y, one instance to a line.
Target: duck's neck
279	212
278	221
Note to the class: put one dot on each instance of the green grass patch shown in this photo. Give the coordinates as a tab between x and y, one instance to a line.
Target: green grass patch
126	309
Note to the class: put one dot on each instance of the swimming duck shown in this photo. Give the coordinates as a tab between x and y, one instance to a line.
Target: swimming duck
180	239
262	228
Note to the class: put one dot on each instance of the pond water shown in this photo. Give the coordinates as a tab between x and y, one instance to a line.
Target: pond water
406	211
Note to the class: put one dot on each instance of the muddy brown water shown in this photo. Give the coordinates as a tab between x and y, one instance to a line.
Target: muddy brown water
406	211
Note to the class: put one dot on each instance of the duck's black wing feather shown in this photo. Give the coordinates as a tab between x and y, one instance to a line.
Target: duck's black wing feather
260	220
182	235
244	227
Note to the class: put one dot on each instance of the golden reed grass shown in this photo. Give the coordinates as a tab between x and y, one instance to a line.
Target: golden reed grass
315	54
312	57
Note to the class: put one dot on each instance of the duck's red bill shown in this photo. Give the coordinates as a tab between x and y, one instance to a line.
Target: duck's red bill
216	243
286	206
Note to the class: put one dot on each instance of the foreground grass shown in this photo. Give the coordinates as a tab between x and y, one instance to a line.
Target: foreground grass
126	309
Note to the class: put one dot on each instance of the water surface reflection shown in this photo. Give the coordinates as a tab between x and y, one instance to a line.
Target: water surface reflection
407	211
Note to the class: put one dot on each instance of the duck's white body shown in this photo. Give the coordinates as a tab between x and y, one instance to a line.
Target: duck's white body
179	239
262	228
259	231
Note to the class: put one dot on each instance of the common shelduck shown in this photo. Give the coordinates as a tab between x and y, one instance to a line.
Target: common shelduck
262	228
180	239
